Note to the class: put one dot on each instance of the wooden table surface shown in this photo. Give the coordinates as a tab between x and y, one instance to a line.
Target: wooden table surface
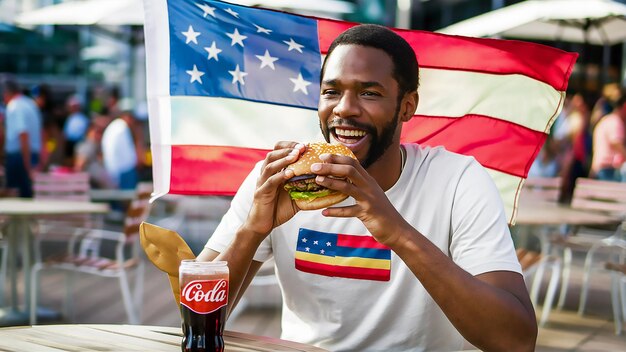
77	337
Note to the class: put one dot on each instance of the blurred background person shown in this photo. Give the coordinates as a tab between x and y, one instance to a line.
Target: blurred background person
75	127
609	152
22	138
88	155
575	139
122	151
52	140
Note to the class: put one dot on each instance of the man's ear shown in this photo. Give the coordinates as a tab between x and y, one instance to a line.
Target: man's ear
409	106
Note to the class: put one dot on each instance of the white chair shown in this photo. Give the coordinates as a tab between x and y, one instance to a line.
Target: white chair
618	293
87	254
542	188
594	196
534	263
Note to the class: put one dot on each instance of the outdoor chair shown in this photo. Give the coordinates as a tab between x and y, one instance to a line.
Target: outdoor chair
534	265
618	293
605	197
542	188
102	253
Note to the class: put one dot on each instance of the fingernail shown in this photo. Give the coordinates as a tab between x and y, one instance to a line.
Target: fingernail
316	167
288	173
324	156
320	179
299	146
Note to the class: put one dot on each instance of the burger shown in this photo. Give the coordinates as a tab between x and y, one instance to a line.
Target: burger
302	188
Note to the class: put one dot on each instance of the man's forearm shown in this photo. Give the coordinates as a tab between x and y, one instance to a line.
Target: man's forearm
239	256
490	317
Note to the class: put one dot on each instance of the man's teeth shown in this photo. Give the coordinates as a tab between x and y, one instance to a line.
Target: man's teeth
349	133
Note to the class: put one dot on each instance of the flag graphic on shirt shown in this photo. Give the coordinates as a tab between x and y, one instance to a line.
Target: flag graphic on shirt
226	82
341	255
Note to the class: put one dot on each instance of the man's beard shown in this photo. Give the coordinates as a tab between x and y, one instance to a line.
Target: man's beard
379	143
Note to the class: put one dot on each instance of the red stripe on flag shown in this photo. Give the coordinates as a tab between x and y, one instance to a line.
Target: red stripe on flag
211	170
343	271
490	141
359	242
435	50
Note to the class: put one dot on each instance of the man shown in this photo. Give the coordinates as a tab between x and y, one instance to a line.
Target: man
453	271
75	127
119	151
22	139
609	152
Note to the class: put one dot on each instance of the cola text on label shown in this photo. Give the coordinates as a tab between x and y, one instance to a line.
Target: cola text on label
205	296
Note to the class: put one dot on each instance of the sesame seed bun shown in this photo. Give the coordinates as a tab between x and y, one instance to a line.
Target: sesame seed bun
302	167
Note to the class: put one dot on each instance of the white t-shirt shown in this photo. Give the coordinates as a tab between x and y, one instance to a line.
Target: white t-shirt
118	149
448	197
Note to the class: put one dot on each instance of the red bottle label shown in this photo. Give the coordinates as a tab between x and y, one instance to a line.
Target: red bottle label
205	296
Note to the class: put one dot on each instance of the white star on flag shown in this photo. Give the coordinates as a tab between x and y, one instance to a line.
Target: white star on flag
293	45
236	38
300	84
238	75
307	249
267	60
328	244
260	29
191	36
195	75
322	251
208	10
213	50
315	242
304	240
233	13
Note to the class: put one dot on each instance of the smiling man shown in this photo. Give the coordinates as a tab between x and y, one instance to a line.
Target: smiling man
417	259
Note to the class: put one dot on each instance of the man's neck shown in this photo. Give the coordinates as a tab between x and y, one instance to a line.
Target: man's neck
387	169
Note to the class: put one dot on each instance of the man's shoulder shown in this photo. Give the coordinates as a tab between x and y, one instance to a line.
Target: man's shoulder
439	155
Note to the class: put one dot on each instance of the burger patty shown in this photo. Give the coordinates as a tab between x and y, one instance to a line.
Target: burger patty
303	184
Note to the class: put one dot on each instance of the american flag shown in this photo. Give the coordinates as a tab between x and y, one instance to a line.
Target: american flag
226	82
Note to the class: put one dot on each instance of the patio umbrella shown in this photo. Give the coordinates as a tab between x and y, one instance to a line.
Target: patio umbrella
597	22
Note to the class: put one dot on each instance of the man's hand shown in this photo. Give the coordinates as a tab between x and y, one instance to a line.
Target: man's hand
372	205
272	205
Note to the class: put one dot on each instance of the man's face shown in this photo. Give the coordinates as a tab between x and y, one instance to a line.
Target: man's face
359	101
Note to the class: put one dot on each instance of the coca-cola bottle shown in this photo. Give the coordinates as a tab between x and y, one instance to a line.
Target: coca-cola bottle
203	304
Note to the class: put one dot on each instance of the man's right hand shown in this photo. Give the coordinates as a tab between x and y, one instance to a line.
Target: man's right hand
272	205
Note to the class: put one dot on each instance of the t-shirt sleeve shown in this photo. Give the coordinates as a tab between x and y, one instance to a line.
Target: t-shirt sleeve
481	241
236	215
20	120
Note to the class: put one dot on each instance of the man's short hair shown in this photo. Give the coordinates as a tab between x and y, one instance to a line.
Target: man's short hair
406	67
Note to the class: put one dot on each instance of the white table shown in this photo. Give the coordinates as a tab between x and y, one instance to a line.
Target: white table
20	212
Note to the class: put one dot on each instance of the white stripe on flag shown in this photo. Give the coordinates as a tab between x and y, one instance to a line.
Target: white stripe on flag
240	123
504	97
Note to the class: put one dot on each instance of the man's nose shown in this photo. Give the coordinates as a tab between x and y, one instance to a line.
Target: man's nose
348	106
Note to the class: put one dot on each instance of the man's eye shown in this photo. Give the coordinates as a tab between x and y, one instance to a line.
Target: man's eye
329	92
370	93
